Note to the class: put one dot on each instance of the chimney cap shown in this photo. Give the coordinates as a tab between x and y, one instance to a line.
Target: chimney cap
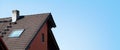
15	10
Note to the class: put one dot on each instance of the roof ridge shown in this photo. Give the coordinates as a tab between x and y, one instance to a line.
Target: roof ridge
36	14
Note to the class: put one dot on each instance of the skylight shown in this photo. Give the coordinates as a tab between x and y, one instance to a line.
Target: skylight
16	33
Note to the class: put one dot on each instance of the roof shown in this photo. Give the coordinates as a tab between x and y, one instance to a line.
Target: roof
30	23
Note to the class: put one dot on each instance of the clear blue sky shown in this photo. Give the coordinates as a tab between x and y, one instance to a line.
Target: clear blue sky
81	24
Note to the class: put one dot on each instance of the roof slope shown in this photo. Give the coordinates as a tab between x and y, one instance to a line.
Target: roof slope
31	24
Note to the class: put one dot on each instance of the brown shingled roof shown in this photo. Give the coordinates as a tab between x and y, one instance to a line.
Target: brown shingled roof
31	24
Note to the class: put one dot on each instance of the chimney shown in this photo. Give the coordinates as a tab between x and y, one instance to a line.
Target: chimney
15	15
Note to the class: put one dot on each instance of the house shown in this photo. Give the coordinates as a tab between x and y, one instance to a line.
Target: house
28	32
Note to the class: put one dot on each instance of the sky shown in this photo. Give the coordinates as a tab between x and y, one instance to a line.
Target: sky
81	24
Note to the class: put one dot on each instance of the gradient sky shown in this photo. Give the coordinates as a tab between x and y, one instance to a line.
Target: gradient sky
81	24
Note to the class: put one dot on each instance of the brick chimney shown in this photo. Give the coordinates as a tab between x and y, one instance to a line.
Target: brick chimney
15	15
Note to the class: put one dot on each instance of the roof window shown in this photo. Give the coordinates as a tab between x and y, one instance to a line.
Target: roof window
16	33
